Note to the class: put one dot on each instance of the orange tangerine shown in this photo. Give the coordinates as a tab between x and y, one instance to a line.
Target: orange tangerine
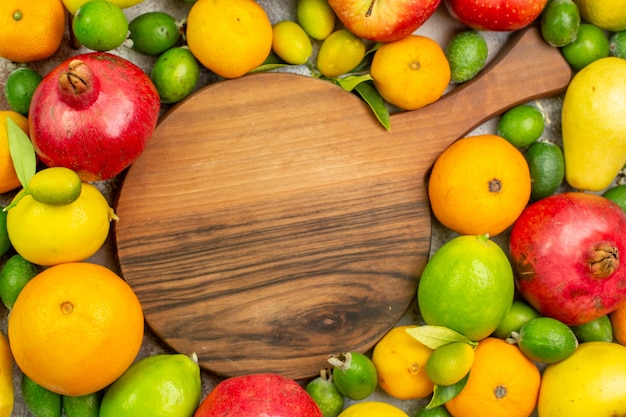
75	328
480	184
410	73
400	361
229	37
31	30
501	383
618	321
8	177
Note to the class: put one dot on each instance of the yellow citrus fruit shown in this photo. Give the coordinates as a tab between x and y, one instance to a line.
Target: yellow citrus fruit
229	37
316	17
591	382
55	185
607	14
291	43
8	177
372	409
73	5
400	360
479	184
47	234
410	73
502	383
75	328
30	30
450	363
340	53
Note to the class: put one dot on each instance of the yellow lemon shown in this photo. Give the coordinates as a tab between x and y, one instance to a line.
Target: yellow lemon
47	234
316	17
291	43
340	53
607	14
73	5
229	37
372	409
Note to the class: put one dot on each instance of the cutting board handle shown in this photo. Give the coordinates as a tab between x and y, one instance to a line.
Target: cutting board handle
526	68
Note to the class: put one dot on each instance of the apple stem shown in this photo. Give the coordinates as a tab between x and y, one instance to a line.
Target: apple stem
368	13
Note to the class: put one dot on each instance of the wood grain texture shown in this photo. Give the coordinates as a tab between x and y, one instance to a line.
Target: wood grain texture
271	220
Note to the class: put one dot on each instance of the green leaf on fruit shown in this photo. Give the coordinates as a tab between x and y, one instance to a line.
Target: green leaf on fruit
22	153
437	336
371	96
443	394
350	82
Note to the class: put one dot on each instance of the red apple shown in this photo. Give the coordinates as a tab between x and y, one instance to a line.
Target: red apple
383	20
496	15
566	251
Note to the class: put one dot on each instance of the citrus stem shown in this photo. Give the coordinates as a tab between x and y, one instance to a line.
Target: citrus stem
16	200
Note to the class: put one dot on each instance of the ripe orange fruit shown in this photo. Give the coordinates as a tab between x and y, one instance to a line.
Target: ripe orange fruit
400	361
501	383
8	177
480	184
75	328
410	73
30	30
618	321
229	37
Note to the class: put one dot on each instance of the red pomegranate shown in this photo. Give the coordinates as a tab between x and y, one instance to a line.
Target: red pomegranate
566	251
258	395
93	114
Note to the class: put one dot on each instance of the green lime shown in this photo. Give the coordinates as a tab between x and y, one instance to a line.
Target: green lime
19	88
560	21
100	25
354	374
546	340
340	53
5	243
521	125
598	330
617	45
39	400
449	363
617	194
439	411
175	74
546	164
291	43
467	286
467	53
15	274
83	405
165	385
325	394
519	314
590	44
56	186
316	17
153	33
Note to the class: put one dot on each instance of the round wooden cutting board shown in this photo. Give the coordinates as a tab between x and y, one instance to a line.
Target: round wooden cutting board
272	220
